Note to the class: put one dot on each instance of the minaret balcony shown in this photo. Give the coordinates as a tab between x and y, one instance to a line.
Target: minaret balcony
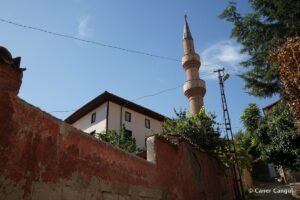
194	87
191	60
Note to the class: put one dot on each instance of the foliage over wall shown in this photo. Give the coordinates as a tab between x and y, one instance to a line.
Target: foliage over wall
202	131
118	139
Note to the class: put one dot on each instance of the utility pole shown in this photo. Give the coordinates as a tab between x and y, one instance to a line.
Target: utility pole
238	185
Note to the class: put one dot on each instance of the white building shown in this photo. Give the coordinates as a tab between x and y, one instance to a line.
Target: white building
108	111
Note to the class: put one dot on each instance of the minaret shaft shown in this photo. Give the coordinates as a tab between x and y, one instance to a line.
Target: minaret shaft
188	46
194	88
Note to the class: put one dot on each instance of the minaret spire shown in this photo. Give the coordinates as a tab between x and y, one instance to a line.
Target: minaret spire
186	29
194	88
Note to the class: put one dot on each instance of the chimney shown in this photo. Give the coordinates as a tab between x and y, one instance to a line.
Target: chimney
10	73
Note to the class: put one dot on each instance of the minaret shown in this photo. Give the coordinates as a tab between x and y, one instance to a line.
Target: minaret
194	87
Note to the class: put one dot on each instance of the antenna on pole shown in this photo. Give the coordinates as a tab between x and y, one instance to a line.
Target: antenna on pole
238	185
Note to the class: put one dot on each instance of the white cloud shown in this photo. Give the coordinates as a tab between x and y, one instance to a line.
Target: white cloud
222	54
83	29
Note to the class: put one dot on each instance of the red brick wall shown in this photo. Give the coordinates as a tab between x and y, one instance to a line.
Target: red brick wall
44	158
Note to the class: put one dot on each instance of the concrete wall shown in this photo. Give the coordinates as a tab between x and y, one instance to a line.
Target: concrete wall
247	180
44	158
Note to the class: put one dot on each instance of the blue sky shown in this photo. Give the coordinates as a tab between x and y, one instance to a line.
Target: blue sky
63	74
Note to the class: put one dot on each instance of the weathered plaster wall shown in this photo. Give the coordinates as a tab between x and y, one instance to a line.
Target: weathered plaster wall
186	172
44	158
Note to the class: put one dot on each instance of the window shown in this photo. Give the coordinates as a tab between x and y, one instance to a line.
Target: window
127	133
93	118
127	116
92	133
147	123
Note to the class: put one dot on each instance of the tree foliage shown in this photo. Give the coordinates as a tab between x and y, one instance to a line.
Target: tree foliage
260	32
251	117
118	139
246	143
246	149
273	137
279	138
201	130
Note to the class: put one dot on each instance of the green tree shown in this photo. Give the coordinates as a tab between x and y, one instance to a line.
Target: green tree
244	145
260	32
251	117
202	131
119	140
279	139
272	138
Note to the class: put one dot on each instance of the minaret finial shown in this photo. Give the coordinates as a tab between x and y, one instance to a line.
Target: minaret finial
186	29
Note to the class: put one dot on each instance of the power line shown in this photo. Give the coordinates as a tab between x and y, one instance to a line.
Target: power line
136	99
108	46
94	42
88	41
166	90
61	111
157	93
144	96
